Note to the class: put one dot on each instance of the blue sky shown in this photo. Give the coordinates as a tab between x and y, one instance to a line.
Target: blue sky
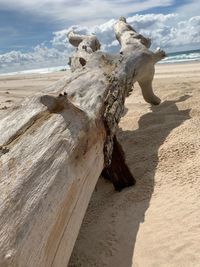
34	28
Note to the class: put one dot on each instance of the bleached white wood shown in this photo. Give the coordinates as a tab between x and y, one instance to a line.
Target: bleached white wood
53	148
48	147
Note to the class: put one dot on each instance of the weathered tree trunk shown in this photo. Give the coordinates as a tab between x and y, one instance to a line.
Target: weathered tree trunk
54	147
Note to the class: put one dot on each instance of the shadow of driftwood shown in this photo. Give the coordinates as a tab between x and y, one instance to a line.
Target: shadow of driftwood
142	148
127	209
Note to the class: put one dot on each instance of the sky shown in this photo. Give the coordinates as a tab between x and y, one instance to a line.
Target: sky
34	32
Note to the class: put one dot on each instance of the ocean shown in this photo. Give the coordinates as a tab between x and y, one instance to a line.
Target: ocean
40	71
176	57
182	57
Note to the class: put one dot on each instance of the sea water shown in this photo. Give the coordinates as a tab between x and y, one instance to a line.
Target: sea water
176	57
40	71
182	57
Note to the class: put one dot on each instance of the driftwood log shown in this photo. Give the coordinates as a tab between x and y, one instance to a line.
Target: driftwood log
56	144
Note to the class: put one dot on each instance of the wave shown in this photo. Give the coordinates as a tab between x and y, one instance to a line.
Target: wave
39	71
180	57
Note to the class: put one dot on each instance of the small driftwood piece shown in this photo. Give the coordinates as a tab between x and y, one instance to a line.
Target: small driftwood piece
55	145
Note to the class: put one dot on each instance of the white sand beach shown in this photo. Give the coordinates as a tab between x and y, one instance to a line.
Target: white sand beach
157	222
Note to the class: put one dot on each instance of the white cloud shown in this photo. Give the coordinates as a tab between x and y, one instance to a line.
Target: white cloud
40	57
83	10
166	31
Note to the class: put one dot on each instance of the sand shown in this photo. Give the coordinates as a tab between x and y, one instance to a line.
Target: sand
157	222
14	88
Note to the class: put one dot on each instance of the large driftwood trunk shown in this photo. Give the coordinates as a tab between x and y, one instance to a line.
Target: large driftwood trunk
54	147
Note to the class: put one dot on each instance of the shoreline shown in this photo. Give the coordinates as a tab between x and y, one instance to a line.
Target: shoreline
196	61
34	71
14	88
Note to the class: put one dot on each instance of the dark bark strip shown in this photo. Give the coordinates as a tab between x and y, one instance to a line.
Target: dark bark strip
118	172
